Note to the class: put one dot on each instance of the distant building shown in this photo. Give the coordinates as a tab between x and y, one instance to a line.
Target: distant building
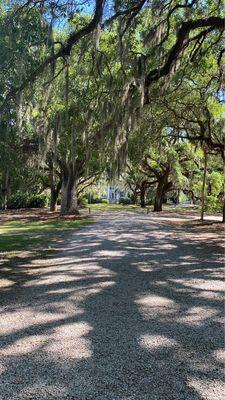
114	192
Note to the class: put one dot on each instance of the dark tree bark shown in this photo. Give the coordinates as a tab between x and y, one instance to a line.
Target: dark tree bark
69	200
203	186
177	198
143	190
193	197
54	196
162	188
223	192
53	202
223	211
5	189
55	184
134	197
158	203
70	173
69	193
158	198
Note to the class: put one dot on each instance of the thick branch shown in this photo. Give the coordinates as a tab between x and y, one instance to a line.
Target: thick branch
181	41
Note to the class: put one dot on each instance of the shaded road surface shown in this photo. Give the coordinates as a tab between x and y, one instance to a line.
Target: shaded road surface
129	308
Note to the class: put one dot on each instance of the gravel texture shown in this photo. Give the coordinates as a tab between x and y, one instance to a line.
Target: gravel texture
129	308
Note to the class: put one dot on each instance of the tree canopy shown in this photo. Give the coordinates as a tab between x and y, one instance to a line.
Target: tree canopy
108	87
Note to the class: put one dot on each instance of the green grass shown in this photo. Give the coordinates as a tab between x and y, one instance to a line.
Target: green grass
120	207
20	236
113	207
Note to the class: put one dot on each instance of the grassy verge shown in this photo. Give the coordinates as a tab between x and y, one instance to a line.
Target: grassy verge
120	207
114	207
20	236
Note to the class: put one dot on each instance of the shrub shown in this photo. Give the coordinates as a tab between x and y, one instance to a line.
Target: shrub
99	201
124	200
23	200
104	201
213	204
18	200
37	201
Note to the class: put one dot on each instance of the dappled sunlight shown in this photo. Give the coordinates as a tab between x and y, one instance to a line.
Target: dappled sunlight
152	300
75	345
153	342
219	355
145	267
209	295
109	254
196	316
29	319
53	261
54	279
44	389
4	282
23	346
212	272
167	246
201	284
214	390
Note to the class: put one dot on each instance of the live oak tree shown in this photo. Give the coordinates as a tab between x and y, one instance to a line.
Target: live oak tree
74	137
196	23
81	80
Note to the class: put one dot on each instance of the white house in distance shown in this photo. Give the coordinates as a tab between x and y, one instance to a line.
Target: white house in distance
113	192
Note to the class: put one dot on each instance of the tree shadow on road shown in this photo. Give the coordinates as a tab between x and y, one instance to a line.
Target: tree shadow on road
127	310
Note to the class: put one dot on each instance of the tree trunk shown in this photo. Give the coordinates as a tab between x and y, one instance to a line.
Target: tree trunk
134	197
158	198
143	194
69	195
54	186
158	203
54	198
177	198
223	190
203	186
164	185
5	189
193	198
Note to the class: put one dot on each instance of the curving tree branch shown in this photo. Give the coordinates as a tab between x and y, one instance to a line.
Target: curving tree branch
182	40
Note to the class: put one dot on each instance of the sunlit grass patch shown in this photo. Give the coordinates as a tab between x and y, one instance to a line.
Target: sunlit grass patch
114	207
21	235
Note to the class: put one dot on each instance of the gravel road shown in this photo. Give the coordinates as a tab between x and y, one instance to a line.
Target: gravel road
128	308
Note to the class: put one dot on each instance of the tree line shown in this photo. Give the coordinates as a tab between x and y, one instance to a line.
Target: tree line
114	88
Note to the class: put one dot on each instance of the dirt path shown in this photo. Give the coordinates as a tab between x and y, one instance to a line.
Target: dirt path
130	308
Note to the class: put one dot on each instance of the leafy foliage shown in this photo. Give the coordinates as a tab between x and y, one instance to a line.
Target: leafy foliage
130	88
20	200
